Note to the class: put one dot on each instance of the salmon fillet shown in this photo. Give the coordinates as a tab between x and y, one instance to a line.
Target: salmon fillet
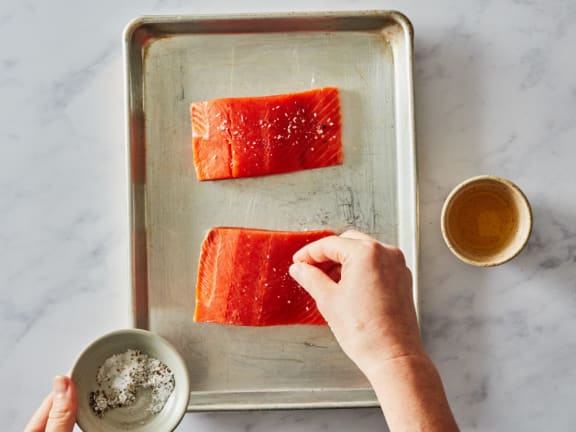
254	136
243	278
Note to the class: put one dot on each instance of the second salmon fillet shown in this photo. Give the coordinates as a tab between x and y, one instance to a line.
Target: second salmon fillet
255	136
243	278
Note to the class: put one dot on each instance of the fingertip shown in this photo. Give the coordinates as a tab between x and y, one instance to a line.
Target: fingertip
300	255
295	269
62	414
63	388
311	278
60	386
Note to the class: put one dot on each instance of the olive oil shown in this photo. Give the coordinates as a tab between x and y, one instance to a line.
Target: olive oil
484	221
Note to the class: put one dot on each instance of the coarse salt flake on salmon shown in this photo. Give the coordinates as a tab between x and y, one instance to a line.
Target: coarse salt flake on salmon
255	136
243	278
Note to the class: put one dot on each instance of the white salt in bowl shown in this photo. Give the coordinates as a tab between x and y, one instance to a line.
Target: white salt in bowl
135	418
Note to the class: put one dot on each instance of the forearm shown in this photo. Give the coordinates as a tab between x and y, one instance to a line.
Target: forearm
411	395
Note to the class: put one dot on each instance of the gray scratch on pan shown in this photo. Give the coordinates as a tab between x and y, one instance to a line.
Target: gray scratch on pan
348	204
182	93
323	216
308	344
373	216
313	345
251	357
359	72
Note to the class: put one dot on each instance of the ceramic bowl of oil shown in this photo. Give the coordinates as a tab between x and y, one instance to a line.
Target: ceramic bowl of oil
486	221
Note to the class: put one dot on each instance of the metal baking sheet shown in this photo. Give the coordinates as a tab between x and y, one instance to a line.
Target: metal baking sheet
172	61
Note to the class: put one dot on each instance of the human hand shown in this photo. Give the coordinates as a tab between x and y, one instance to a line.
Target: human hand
366	298
57	413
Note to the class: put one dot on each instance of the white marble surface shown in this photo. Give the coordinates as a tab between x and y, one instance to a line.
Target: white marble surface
495	89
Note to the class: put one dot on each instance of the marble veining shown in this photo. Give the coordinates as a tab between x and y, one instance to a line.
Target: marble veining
65	88
495	90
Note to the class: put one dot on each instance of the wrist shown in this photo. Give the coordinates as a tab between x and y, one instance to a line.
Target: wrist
411	394
387	365
389	347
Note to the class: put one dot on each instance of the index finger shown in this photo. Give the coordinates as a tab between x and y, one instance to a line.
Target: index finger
332	248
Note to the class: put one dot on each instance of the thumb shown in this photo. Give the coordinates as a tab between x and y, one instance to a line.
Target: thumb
315	281
62	415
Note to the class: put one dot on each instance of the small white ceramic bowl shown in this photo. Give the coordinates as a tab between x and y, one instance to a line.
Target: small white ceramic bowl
132	418
500	192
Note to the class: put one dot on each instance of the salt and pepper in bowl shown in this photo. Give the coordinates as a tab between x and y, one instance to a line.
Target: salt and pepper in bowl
130	380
